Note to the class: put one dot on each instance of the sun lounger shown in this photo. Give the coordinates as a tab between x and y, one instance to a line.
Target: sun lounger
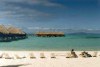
68	55
31	55
53	55
19	57
1	55
6	56
94	54
42	55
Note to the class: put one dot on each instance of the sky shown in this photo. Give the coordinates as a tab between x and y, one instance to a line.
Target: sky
34	14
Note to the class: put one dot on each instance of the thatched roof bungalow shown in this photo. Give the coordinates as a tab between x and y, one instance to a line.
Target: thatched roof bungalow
11	33
3	29
13	30
17	33
50	34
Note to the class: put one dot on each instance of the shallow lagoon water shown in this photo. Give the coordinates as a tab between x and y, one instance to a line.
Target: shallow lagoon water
52	43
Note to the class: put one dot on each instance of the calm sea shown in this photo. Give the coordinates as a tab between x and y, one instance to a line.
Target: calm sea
77	42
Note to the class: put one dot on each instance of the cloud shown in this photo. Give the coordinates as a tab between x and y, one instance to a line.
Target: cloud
31	28
28	10
34	2
44	3
50	4
10	10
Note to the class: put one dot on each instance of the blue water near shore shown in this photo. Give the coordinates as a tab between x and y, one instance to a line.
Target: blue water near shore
77	42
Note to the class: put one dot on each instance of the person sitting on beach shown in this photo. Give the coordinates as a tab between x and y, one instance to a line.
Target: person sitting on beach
85	54
73	54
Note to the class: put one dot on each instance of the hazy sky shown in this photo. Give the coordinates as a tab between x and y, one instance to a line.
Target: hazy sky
29	14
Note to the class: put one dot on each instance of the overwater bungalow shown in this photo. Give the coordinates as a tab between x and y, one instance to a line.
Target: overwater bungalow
16	33
11	33
3	33
50	34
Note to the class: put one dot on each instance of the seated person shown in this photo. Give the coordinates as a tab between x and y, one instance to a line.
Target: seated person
73	54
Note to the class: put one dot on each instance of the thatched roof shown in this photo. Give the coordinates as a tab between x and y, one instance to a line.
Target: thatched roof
3	29
50	33
14	30
11	29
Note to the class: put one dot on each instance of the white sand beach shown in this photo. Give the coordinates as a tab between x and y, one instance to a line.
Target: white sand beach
60	60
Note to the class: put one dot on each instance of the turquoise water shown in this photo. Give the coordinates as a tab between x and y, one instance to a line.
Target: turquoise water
53	43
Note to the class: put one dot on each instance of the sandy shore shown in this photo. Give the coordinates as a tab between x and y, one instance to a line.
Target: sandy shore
59	61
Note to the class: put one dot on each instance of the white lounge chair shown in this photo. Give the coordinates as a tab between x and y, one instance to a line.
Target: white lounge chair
68	55
6	56
1	56
31	55
53	55
42	55
19	57
94	54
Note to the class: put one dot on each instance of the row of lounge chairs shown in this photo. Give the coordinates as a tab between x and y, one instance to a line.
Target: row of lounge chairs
41	55
52	55
31	56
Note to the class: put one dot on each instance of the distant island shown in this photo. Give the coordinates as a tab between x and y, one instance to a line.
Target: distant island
11	33
85	35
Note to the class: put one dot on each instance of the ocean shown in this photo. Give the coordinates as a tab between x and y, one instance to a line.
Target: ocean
33	43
